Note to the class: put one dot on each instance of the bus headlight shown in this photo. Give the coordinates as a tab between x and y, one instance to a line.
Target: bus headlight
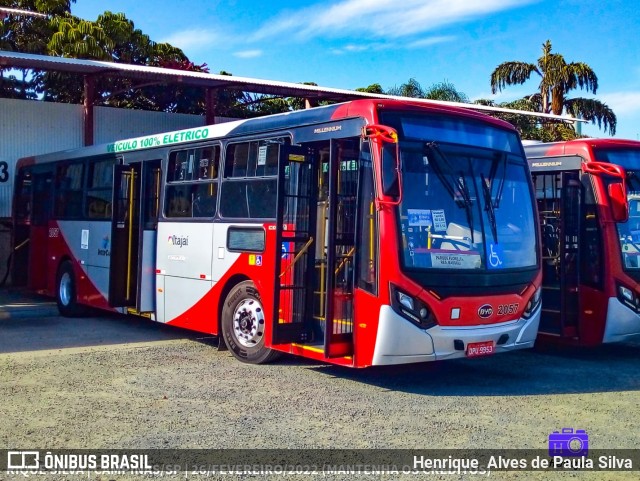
411	308
628	297
405	300
533	303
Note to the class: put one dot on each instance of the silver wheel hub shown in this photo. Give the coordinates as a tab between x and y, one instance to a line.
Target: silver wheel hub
248	322
64	290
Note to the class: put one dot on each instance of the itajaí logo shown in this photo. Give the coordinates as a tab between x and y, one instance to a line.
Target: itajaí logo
104	247
176	240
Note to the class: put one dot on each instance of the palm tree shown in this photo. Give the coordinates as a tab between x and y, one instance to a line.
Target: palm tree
439	91
445	91
557	79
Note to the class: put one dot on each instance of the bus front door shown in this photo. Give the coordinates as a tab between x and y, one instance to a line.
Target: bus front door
316	226
338	231
559	204
134	224
294	270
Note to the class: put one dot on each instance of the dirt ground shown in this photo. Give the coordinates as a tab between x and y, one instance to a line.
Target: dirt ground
126	383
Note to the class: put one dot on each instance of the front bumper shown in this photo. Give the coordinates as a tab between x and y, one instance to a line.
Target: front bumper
622	323
400	342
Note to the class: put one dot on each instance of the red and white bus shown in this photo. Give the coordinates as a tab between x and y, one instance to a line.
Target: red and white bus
588	194
364	233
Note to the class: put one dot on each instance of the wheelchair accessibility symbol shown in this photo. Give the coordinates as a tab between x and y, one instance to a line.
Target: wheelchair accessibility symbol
494	256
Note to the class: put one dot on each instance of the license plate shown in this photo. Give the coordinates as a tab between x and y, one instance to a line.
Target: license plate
476	349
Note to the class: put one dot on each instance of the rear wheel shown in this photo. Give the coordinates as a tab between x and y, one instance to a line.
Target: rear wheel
66	291
243	324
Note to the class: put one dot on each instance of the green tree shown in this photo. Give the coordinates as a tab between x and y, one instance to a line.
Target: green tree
77	38
111	37
531	128
557	79
29	34
372	89
444	90
411	88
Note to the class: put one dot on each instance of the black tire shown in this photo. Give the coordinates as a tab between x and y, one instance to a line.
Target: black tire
243	323
66	291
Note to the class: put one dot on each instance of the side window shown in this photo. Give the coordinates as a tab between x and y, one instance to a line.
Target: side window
368	226
241	239
22	204
548	196
192	183
207	161
249	188
180	166
69	185
99	189
591	269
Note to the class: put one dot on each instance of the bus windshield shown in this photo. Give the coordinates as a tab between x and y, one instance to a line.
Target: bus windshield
465	208
628	232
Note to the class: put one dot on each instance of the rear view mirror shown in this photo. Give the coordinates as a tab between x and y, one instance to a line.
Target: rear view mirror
619	203
390	170
617	190
389	179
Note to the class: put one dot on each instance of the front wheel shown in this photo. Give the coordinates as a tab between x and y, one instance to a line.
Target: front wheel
66	291
243	324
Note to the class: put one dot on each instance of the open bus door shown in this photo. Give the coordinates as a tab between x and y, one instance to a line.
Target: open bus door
136	194
571	241
34	201
338	228
295	223
559	205
316	228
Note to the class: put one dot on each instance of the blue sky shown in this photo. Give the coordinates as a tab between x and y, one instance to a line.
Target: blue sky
355	43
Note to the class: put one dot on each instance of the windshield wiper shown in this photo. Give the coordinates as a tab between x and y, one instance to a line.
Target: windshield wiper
492	176
489	207
450	182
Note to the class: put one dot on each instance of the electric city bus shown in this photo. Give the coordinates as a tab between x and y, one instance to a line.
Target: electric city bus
588	194
364	233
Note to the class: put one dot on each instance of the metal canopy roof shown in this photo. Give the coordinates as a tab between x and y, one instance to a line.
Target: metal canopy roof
213	81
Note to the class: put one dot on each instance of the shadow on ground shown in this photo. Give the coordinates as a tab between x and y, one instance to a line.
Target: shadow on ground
614	367
50	333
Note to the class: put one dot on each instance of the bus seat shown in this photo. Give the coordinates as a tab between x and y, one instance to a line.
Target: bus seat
550	239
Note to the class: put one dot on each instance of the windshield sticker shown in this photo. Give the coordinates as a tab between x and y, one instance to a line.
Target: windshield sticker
494	256
455	261
419	217
439	220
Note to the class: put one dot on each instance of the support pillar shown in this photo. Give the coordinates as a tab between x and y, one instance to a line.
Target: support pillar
310	103
89	97
210	106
